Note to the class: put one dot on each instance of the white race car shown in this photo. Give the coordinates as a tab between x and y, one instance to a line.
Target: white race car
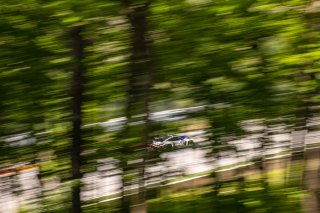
169	141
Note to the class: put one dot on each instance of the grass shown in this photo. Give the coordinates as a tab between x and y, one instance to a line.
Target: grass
257	194
250	199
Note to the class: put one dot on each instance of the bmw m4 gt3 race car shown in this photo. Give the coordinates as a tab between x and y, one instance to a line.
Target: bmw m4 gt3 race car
169	142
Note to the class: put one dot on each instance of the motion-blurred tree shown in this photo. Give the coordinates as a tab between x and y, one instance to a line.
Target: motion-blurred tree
137	129
243	60
77	42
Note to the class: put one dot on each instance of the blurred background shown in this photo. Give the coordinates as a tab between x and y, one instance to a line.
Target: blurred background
86	85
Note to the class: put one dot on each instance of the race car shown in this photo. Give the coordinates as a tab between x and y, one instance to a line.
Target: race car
169	141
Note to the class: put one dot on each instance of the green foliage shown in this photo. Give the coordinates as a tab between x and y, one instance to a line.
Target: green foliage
245	59
251	200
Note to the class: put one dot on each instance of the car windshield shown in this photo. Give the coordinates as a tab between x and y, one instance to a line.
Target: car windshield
162	138
174	139
159	138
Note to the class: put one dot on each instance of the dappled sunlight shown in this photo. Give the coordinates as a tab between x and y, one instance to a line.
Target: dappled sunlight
159	106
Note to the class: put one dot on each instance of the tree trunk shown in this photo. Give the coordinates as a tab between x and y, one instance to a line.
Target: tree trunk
309	178
138	92
77	43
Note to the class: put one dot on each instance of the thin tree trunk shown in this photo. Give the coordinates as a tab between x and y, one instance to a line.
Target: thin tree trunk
77	43
308	177
312	173
139	84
